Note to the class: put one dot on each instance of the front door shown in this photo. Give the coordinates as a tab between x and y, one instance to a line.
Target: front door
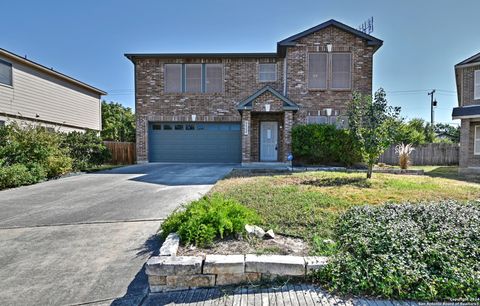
268	141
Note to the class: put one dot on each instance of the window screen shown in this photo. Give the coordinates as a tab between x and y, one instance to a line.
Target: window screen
214	78
477	85
341	70
267	72
317	70
173	77
317	119
5	73
193	78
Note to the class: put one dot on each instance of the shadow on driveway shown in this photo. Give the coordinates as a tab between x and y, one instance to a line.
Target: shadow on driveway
174	174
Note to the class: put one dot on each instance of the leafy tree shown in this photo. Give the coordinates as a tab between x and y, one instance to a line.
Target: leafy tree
374	125
118	122
447	132
417	131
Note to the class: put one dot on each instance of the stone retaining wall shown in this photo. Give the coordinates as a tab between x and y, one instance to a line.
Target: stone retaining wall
187	272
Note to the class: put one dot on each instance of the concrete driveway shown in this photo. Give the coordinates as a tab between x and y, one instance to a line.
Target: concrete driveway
84	239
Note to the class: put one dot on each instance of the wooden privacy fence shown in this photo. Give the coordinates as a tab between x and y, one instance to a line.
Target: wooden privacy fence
428	154
123	153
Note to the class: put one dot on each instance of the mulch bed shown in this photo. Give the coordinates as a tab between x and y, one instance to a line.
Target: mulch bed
281	245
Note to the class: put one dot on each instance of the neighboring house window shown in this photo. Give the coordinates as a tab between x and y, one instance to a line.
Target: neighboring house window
5	73
267	72
476	141
341	70
193	78
214	78
173	77
317	70
477	85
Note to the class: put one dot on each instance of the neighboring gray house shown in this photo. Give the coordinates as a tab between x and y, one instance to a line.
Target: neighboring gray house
241	107
467	76
32	93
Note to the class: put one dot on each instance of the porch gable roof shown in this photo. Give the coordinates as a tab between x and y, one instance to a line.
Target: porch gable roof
247	104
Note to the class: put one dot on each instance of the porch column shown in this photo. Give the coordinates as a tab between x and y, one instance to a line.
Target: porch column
464	143
287	134
141	139
246	136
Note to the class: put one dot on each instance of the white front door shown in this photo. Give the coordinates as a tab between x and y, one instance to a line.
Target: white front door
268	141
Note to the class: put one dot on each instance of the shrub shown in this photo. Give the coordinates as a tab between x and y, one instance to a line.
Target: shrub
17	175
404	151
324	144
208	218
35	148
423	252
86	149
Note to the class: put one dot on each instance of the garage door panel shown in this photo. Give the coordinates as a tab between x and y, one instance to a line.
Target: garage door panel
208	142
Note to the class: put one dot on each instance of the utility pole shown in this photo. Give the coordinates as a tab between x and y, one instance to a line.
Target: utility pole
433	103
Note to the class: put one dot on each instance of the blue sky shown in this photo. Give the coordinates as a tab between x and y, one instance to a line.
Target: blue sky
86	39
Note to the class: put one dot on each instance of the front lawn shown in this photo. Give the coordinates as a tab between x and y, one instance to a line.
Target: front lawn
307	204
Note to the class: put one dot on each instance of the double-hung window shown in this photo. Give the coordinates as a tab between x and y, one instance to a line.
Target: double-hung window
317	70
476	140
5	73
193	78
329	70
341	71
267	72
476	90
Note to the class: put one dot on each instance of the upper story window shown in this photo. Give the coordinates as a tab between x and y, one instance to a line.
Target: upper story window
267	72
214	78
329	70
173	77
341	71
476	91
317	70
193	78
5	73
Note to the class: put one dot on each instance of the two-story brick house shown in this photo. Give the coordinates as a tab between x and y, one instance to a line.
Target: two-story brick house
241	107
467	76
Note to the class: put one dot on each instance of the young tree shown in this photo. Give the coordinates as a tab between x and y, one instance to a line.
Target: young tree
118	122
374	125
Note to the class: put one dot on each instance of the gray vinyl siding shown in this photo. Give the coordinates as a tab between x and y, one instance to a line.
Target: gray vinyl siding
54	100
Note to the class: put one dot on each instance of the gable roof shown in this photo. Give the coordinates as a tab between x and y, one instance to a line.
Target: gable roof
287	103
470	60
281	45
290	41
50	71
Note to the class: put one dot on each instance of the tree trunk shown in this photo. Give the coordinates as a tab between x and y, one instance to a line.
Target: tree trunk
369	171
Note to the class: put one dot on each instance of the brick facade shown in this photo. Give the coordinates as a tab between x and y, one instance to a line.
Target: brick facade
468	161
241	80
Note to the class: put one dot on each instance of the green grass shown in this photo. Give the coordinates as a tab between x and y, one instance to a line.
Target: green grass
307	204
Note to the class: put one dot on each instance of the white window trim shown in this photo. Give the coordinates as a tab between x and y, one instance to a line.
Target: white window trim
330	72
327	72
476	137
476	82
268	81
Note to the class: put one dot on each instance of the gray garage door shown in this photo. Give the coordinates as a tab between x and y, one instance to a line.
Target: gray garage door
194	142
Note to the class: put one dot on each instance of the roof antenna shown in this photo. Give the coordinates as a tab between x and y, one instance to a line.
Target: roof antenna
367	26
